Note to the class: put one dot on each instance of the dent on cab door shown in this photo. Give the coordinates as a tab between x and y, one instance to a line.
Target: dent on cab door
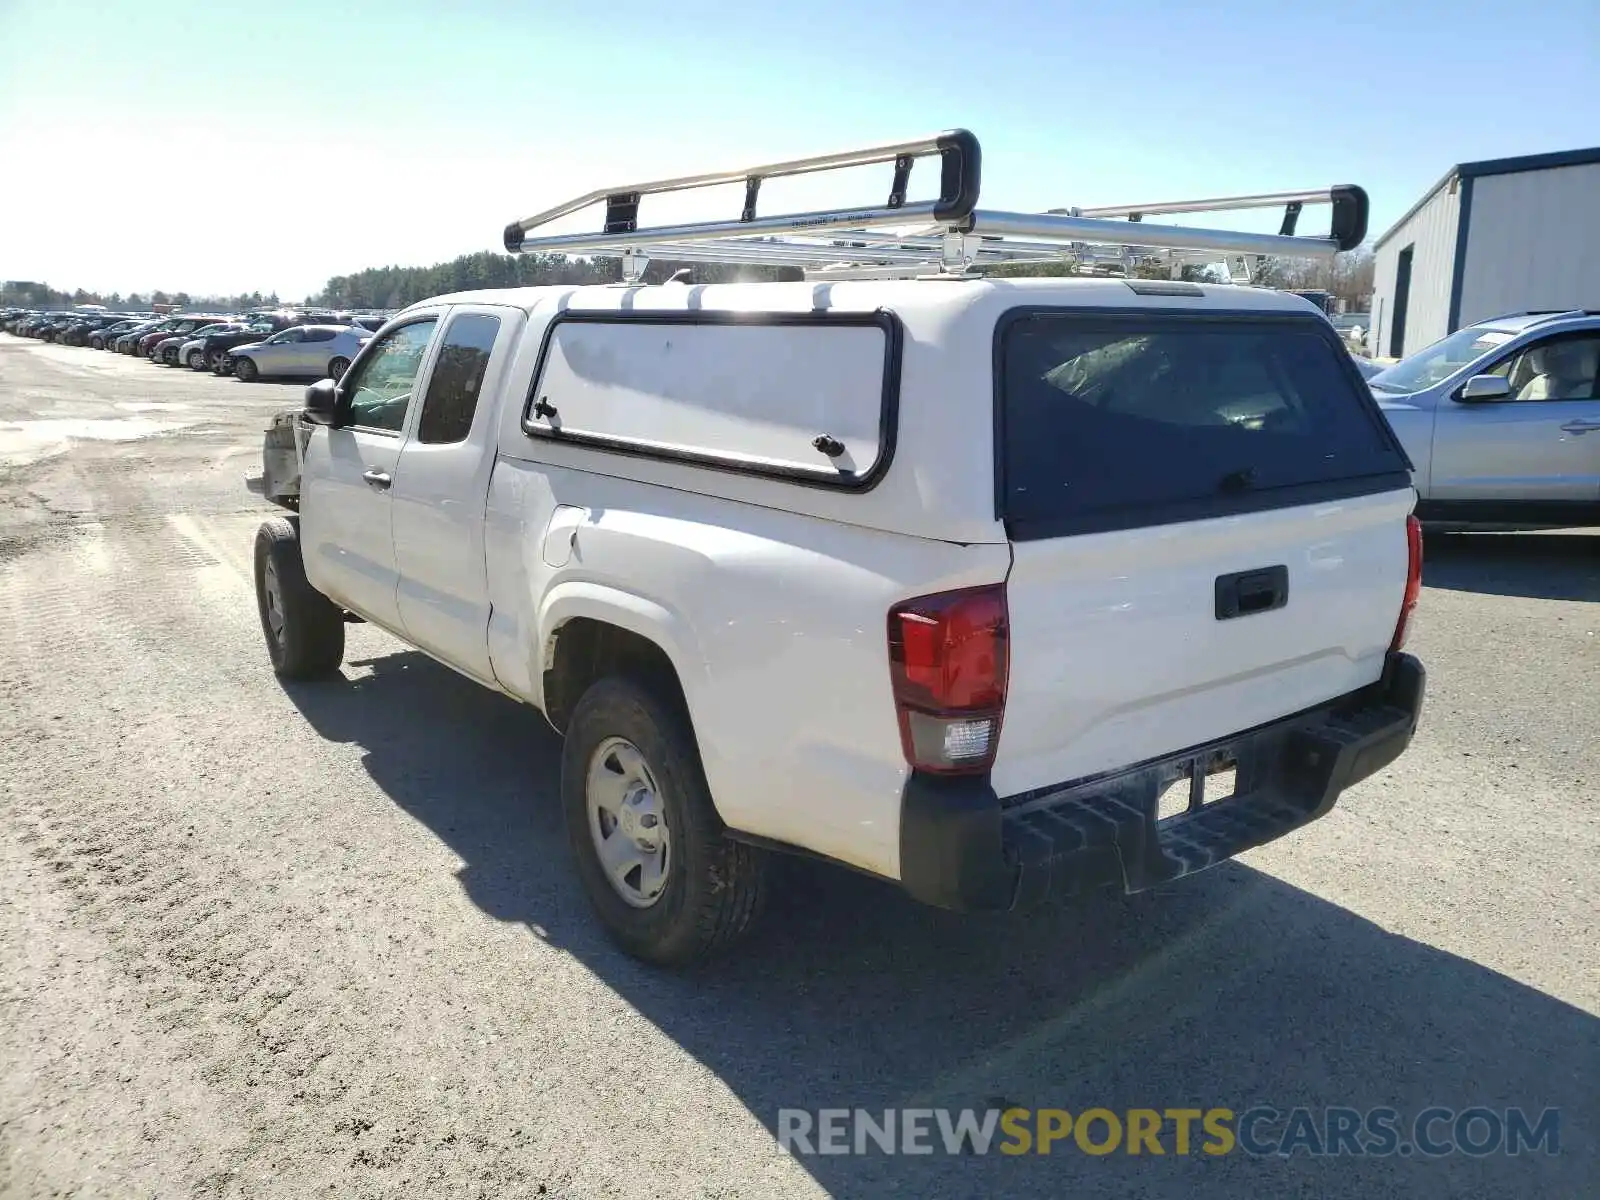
1540	444
346	529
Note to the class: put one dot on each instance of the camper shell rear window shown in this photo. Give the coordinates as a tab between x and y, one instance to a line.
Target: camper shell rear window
1112	421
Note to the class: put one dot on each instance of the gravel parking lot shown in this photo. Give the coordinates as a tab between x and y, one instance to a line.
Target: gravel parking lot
325	940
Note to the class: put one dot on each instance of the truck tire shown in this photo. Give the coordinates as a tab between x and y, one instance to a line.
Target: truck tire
303	628
629	749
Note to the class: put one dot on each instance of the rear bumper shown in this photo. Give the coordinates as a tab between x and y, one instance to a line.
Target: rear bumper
962	847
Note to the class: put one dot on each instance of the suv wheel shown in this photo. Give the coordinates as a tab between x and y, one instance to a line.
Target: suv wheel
654	858
303	628
246	370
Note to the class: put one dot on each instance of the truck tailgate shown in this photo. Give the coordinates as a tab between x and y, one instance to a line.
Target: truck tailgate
1122	649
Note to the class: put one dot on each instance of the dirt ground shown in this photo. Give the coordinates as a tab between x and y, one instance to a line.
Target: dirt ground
270	942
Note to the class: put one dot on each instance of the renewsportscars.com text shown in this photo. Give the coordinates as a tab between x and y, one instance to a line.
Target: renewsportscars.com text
1260	1131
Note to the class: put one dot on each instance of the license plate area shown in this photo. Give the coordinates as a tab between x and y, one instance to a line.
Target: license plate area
1195	784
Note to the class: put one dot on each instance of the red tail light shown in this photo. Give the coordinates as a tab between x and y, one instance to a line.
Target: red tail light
1413	582
948	655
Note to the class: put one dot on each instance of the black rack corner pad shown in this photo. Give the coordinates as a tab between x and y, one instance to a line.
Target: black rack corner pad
1349	215
962	162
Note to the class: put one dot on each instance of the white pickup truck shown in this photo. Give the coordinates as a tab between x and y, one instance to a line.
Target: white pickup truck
996	589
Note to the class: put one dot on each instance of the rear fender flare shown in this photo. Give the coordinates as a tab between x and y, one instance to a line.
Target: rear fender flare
650	619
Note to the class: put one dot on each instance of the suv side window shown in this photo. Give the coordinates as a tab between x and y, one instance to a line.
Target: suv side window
380	385
1564	367
452	396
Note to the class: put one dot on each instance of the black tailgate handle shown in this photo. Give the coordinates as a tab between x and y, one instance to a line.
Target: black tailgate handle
1246	592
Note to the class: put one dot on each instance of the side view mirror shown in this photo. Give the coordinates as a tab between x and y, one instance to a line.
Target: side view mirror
1484	387
322	400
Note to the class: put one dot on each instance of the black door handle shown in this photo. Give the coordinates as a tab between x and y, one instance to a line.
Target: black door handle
1247	592
378	479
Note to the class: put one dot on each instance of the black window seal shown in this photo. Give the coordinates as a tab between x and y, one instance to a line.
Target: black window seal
821	477
1169	512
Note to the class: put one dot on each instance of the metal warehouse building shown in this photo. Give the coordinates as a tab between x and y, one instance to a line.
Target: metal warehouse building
1489	238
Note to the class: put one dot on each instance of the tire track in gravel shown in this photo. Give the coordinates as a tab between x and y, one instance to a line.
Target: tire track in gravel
142	867
251	922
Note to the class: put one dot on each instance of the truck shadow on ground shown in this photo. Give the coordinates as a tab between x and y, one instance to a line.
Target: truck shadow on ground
1230	989
1546	566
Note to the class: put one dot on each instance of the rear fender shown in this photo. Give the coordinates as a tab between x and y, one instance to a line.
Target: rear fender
649	619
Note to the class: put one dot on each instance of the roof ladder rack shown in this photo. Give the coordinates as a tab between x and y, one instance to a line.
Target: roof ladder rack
948	236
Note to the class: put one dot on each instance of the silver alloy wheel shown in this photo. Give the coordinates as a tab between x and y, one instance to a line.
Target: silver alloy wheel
628	822
272	595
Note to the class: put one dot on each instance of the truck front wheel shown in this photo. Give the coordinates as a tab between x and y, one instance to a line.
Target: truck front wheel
303	628
668	883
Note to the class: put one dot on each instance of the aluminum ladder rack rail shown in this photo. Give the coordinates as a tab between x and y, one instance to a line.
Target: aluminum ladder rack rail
948	235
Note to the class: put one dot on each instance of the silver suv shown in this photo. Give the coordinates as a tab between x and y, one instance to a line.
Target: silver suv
1502	420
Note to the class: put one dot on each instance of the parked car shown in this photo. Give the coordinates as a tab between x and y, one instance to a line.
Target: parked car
692	527
128	342
167	350
308	351
79	333
1502	420
257	327
43	325
192	352
170	327
100	338
53	325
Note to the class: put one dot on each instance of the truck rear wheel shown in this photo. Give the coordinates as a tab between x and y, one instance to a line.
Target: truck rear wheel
303	628
668	883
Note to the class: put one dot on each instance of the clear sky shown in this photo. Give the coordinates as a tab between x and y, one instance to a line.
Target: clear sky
220	148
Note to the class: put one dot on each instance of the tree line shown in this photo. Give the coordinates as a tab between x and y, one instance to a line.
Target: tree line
1348	276
396	287
23	293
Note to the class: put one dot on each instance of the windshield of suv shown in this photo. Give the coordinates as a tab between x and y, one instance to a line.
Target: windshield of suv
1441	360
1108	422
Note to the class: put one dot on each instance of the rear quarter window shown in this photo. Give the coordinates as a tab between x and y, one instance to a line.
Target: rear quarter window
1112	422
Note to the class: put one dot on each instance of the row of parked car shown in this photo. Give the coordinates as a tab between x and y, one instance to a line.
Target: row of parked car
264	343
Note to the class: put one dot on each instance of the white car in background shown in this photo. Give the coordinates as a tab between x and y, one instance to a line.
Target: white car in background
1502	420
307	351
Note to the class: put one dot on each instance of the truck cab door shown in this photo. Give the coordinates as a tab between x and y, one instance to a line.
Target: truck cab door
346	526
441	487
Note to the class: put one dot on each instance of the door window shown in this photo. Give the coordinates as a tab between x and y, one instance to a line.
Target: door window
1557	368
452	396
284	338
321	335
380	385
